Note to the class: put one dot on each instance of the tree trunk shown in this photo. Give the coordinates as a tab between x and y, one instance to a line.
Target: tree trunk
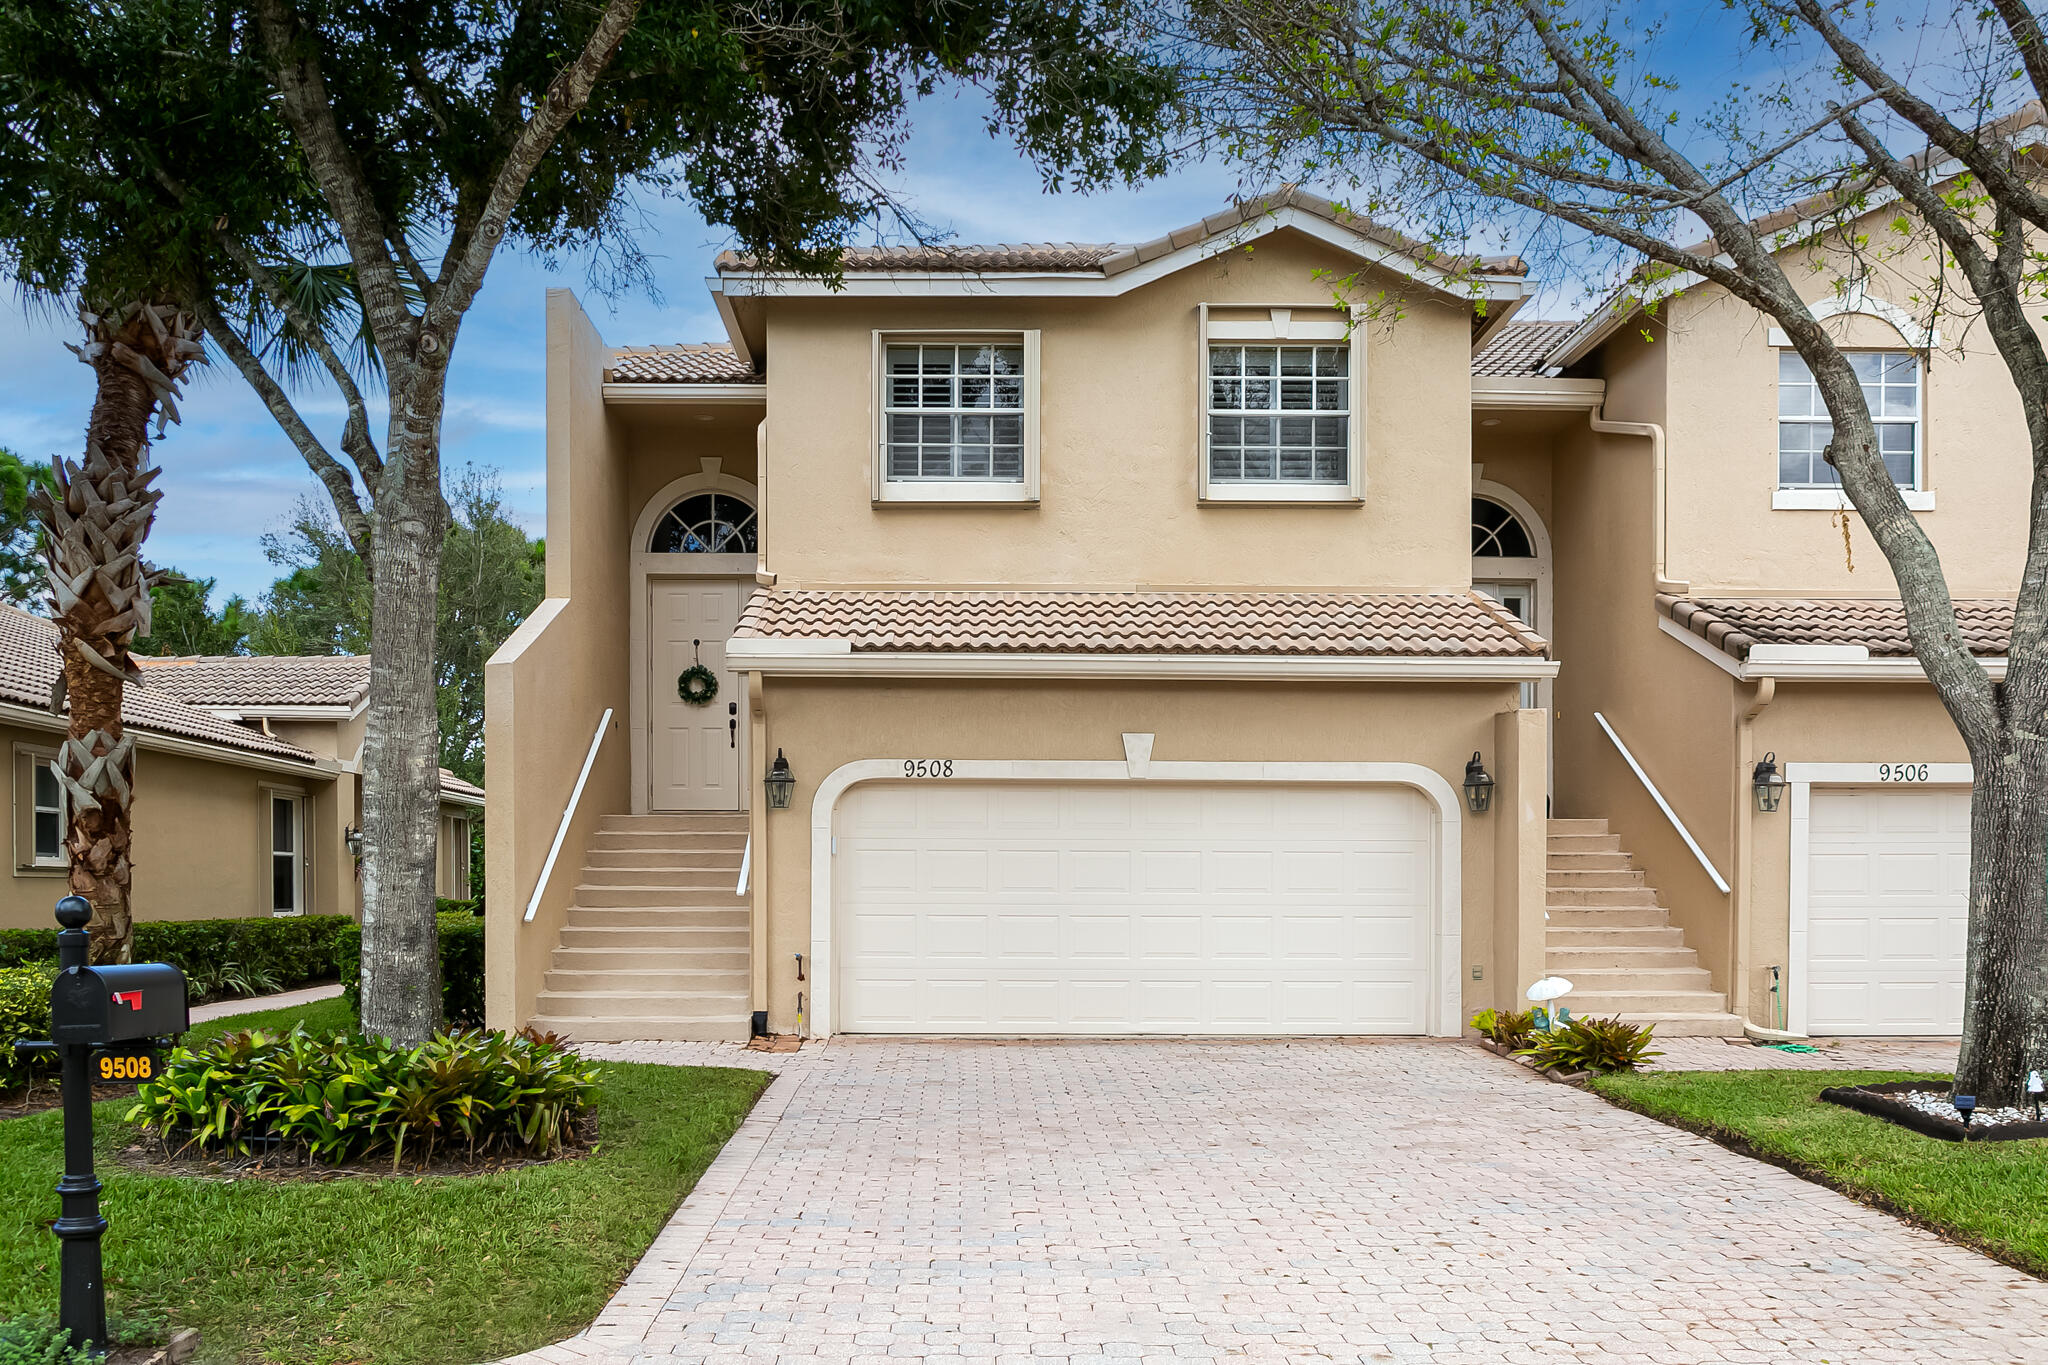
2005	995
401	981
96	523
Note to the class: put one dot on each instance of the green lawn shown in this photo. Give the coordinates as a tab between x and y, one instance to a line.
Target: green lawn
1992	1195
402	1271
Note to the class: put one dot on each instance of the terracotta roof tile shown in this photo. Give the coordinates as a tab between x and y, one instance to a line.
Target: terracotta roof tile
700	362
1050	622
451	785
28	668
1734	624
259	680
988	258
1517	346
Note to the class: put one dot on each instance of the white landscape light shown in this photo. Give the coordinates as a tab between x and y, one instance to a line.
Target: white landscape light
1545	994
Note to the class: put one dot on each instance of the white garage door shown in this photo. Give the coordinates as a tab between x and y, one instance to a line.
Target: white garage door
1888	881
1003	908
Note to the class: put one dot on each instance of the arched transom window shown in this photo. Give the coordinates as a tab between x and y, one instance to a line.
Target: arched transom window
1497	533
706	524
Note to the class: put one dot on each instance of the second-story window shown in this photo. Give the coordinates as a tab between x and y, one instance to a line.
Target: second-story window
954	411
1279	414
1891	386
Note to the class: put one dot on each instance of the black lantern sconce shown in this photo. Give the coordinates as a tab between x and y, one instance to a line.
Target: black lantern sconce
353	837
780	782
1769	784
1478	786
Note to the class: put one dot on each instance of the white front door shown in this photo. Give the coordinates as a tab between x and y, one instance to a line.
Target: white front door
694	752
1887	909
1096	908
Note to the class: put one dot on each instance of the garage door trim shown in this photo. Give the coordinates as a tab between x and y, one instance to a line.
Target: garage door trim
1802	778
1445	1014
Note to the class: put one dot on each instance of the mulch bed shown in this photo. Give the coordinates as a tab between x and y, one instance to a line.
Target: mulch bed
1879	1100
292	1165
43	1095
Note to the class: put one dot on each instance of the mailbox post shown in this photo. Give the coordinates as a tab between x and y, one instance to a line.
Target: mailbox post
92	1009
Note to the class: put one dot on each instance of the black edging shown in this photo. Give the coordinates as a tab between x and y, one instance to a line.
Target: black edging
1876	1100
1741	1146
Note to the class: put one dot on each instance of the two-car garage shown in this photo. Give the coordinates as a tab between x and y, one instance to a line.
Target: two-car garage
1112	907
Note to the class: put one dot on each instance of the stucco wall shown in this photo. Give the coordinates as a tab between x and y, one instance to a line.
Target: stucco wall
822	725
1120	406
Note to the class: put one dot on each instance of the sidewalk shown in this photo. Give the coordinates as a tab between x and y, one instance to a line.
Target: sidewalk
222	1009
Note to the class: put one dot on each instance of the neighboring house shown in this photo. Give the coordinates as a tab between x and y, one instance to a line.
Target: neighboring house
1130	622
247	784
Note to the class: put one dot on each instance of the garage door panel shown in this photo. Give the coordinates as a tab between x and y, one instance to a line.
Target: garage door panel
1149	910
1887	910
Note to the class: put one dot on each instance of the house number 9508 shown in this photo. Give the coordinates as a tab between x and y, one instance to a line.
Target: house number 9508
927	767
1902	772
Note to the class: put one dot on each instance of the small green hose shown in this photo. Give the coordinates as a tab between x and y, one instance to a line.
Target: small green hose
1791	1047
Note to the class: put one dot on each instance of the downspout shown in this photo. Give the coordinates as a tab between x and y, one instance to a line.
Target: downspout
1740	876
1655	432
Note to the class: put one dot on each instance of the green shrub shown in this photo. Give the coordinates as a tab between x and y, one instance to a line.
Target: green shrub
1601	1045
39	1341
340	1097
1512	1029
274	953
462	966
24	1013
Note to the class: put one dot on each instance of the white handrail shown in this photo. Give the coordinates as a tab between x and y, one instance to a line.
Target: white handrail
746	866
547	869
1662	804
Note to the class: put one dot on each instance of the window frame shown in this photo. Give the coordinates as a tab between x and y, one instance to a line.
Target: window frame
302	853
1832	497
973	491
1281	328
26	760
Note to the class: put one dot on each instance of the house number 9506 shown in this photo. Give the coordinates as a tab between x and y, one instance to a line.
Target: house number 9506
927	767
1902	772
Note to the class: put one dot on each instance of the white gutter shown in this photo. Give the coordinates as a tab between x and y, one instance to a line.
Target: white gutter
1521	392
1813	663
1663	805
726	395
36	718
838	659
1598	421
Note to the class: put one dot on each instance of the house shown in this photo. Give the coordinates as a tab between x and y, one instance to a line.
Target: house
247	784
1127	639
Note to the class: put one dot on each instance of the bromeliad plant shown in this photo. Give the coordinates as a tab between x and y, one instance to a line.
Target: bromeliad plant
339	1097
1509	1028
1600	1045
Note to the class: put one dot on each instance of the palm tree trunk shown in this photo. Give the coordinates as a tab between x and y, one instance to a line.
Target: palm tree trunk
96	522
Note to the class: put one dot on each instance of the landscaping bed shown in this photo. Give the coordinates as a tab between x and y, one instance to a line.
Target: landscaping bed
1926	1109
413	1269
1992	1196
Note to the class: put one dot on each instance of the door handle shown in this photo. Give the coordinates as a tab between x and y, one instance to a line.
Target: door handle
732	723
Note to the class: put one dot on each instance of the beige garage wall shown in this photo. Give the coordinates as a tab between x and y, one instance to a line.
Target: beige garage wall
1120	405
822	725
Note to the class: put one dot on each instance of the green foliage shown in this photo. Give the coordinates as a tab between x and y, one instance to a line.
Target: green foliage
21	560
462	962
1599	1045
285	952
1512	1029
24	1013
345	1097
183	622
40	1341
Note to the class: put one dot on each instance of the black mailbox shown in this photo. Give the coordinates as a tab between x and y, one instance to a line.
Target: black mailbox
117	1004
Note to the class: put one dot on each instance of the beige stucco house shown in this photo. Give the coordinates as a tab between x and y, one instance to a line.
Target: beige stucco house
1129	620
248	784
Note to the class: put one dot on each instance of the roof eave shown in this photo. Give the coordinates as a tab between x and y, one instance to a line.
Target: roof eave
837	658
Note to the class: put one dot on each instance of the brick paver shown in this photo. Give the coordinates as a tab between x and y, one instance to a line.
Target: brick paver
1319	1200
1831	1054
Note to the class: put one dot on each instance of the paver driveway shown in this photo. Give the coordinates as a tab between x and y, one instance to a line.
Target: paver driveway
1366	1201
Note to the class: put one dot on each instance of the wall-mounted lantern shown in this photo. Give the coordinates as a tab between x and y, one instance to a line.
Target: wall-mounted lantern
1769	784
353	837
780	782
1478	786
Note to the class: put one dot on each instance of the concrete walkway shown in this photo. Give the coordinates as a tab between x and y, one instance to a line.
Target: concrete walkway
222	1009
1314	1200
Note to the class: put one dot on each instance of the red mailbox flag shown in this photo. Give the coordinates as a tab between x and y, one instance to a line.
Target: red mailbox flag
132	999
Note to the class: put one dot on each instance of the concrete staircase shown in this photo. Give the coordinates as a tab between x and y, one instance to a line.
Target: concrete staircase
655	945
1617	946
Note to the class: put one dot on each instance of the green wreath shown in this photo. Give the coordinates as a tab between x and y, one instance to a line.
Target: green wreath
697	685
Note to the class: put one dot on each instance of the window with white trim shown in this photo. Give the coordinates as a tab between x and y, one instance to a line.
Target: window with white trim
287	853
958	417
1891	386
46	801
1279	414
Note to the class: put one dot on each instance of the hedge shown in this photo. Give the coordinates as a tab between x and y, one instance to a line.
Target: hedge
24	1013
286	952
462	966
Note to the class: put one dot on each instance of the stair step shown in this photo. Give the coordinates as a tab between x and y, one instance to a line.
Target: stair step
627	1004
1578	827
1564	961
715	822
650	932
1606	1004
1580	896
1592	878
661	1028
661	879
1682	1024
1602	981
1582	843
594	896
1588	862
667	841
1614	936
1607	917
723	860
562	980
648	957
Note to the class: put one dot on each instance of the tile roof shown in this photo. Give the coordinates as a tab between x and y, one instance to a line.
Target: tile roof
451	785
1054	622
259	680
1734	624
1113	258
1517	346
28	668
697	362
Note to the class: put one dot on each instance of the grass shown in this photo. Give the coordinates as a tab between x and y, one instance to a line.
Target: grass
1990	1195
402	1271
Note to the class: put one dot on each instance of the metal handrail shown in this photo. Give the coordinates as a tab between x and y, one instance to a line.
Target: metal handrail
1662	804
547	869
746	866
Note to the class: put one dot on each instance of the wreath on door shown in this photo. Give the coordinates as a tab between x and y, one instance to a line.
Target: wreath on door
697	685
